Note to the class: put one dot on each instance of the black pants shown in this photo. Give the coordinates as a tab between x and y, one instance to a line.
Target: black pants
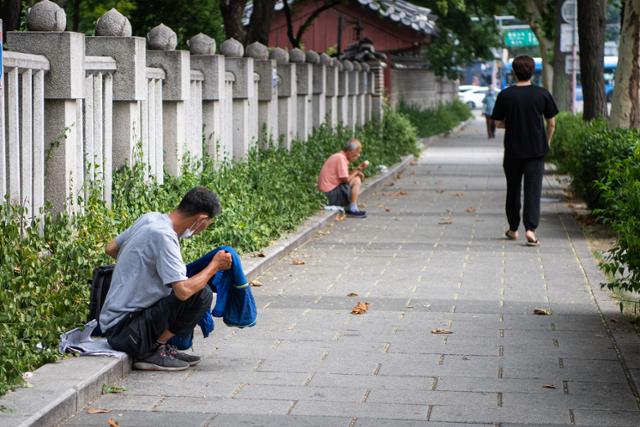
533	170
136	333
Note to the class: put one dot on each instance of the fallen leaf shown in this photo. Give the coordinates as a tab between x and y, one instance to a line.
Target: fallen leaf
362	205
439	191
571	206
259	254
352	294
113	423
549	386
398	176
441	331
446	220
256	283
541	311
409	306
459	194
360	308
387	210
98	411
107	389
413	162
613	320
471	209
323	233
297	261
341	217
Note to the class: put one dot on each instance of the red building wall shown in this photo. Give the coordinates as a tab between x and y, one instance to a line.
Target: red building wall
386	35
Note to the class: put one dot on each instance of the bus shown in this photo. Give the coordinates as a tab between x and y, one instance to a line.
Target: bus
610	65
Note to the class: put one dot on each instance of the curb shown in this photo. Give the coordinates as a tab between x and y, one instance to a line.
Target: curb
60	389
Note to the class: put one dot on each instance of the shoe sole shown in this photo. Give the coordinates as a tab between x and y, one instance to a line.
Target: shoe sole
144	366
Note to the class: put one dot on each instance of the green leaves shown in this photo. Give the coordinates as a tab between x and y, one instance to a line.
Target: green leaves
430	122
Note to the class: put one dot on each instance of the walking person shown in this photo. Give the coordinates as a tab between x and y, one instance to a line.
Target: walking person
521	110
488	103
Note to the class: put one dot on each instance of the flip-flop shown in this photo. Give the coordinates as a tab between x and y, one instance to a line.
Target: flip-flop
510	235
533	242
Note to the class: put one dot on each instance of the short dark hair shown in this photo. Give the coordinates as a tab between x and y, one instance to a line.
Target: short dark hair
200	200
523	67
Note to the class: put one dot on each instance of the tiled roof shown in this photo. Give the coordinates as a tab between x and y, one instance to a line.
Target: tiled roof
401	12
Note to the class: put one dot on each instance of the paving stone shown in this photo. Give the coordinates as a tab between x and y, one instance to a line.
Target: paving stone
606	418
373	410
499	415
237	420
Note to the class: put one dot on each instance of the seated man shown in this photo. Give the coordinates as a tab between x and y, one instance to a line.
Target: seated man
151	299
340	185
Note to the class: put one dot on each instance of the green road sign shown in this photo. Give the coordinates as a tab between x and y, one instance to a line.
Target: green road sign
520	37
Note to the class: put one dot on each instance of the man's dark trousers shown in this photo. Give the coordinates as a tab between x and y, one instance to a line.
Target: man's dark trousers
136	333
533	170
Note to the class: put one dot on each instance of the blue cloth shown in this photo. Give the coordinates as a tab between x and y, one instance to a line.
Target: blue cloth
234	299
489	101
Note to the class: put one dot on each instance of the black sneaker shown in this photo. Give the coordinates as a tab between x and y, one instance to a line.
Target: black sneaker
191	359
355	214
161	360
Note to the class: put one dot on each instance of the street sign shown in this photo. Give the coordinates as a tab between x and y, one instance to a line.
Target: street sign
568	11
520	37
570	65
567	34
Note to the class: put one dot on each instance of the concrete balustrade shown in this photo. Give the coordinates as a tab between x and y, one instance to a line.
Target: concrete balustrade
76	109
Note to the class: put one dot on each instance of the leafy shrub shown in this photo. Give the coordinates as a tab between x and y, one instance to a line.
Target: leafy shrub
587	151
44	276
620	194
429	122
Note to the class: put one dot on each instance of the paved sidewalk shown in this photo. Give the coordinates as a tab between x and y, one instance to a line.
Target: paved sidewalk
310	362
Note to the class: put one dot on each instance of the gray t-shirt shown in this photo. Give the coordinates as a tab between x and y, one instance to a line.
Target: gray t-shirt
149	261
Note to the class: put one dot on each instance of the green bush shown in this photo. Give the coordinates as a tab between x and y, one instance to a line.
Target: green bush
429	122
44	276
586	151
620	194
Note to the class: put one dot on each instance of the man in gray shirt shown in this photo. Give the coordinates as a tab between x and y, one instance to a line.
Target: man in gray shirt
151	299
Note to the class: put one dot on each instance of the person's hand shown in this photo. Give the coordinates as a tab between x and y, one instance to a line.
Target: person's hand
200	225
363	165
222	260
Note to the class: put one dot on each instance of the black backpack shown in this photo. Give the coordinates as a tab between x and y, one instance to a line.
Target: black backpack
100	284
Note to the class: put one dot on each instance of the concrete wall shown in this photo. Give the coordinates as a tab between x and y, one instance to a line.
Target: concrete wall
420	87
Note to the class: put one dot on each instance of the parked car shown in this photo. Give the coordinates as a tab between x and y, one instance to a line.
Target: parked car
473	97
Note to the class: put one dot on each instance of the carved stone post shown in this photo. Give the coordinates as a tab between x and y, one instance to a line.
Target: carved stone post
287	96
267	88
304	80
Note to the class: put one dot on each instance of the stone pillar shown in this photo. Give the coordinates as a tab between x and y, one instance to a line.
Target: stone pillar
319	99
377	83
243	88
177	89
354	85
343	91
367	75
304	79
332	89
267	89
113	38
212	66
287	96
64	91
361	90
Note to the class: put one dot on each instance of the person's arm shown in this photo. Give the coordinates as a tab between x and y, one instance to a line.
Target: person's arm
551	127
112	249
499	114
184	289
500	124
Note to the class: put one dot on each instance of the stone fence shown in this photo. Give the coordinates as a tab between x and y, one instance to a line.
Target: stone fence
76	108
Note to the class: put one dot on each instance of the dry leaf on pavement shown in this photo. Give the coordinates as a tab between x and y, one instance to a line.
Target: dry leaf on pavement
256	283
541	311
98	411
341	217
471	209
446	220
352	294
459	194
360	308
441	331
439	191
112	423
549	386
413	162
297	261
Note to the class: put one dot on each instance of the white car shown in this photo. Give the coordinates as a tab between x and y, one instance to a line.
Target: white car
473	96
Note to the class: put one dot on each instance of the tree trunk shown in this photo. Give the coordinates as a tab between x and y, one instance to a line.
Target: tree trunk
561	82
232	11
76	15
535	20
10	15
591	28
260	24
625	104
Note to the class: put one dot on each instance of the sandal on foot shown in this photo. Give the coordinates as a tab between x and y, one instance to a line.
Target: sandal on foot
511	235
533	242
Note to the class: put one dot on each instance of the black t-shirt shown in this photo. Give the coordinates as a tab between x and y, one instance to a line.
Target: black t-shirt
522	109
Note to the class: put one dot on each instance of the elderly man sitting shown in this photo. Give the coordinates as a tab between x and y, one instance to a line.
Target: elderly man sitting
340	185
